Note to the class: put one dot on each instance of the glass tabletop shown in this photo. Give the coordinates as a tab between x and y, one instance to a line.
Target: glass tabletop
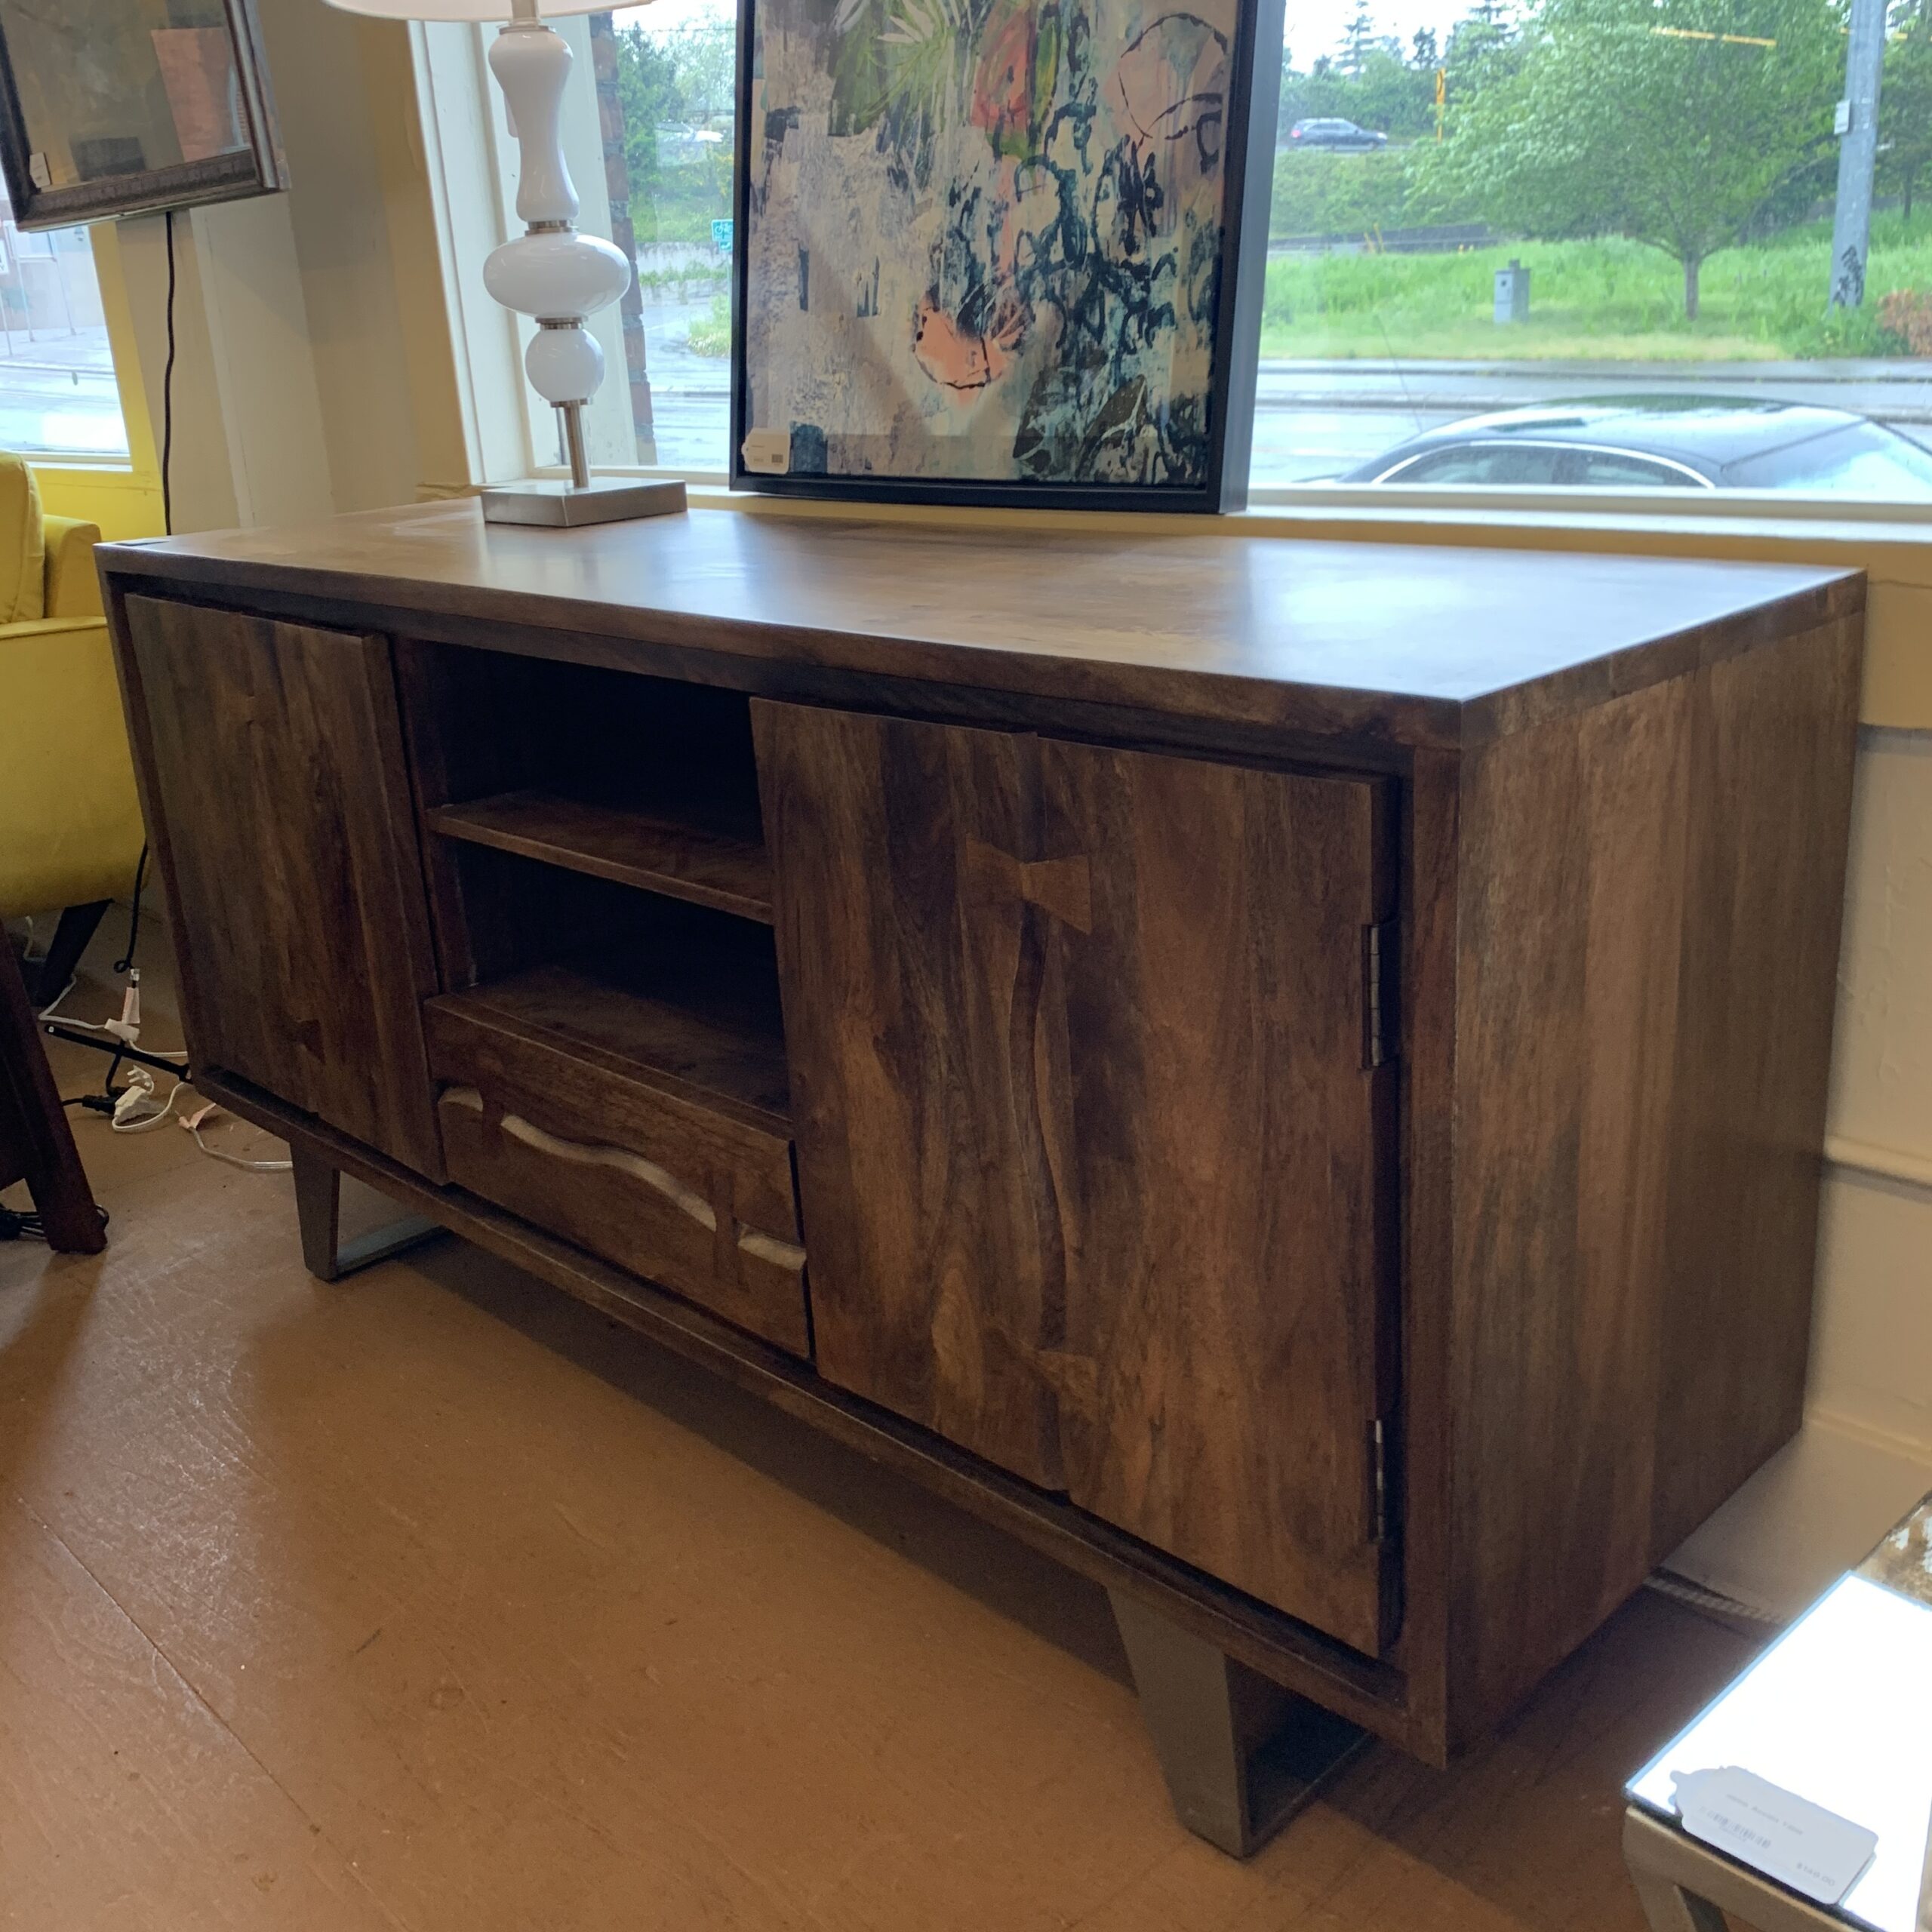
1838	1710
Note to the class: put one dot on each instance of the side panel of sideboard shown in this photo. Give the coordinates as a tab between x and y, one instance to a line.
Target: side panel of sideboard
1650	895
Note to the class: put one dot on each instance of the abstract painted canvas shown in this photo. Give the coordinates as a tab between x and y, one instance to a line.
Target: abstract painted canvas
990	247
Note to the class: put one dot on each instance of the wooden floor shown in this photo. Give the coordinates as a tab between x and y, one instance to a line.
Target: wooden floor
431	1599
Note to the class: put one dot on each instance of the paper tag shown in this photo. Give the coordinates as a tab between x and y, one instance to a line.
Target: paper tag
1799	1845
768	451
39	172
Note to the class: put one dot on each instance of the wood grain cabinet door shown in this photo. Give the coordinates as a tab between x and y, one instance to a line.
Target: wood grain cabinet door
1096	1173
271	758
911	972
1222	1152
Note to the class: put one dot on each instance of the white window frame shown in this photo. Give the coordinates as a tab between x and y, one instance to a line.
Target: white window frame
468	142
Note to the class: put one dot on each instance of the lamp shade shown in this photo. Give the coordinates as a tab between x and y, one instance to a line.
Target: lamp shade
466	10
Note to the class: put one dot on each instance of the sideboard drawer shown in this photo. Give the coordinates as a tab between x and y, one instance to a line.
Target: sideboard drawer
692	1194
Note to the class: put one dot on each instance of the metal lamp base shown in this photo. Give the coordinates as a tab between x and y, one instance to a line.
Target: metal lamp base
560	505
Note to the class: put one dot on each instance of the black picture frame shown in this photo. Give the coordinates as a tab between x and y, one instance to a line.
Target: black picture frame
1253	110
257	168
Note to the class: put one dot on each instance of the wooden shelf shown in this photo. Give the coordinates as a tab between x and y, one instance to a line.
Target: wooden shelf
706	1026
700	858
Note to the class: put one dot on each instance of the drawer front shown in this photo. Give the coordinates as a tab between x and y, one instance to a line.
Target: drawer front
572	1095
687	1194
642	1216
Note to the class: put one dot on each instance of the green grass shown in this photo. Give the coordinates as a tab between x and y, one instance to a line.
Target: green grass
711	333
1608	300
682	284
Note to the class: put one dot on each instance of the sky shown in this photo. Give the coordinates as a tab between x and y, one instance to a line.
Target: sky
1314	26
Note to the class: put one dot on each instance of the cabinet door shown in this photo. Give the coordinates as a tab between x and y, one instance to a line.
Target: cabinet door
1095	1172
1224	1155
912	971
273	764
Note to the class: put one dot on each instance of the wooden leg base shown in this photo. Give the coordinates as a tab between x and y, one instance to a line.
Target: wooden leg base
318	1213
1241	1755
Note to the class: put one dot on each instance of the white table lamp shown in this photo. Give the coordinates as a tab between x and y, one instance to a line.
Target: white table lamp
550	273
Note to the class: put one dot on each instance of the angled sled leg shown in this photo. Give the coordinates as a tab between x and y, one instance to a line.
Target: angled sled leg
318	1213
1241	1755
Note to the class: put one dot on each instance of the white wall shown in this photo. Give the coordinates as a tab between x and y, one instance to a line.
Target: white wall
1864	1455
291	385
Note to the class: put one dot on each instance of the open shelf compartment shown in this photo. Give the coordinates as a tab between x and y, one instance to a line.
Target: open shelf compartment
646	782
695	854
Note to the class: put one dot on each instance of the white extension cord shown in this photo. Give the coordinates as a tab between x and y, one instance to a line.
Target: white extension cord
137	1111
193	1124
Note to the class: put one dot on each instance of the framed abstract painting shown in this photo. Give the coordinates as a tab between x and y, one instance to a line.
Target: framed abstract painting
1002	251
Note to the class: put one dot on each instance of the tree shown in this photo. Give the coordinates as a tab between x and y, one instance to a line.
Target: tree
1358	39
678	78
1639	118
1905	105
1423	52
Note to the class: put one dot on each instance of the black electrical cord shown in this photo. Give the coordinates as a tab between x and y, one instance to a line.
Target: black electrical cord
167	392
103	1102
19	1225
126	959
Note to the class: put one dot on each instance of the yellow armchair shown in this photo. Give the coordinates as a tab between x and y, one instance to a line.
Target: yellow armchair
70	825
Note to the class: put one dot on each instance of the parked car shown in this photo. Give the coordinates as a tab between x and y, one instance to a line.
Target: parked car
1671	442
1343	135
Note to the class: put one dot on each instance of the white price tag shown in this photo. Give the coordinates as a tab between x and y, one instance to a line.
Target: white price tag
1799	1845
768	451
38	171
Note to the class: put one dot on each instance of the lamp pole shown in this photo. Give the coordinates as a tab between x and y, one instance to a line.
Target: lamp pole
1858	151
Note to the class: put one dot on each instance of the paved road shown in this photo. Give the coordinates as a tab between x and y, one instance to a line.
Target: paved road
57	392
1313	420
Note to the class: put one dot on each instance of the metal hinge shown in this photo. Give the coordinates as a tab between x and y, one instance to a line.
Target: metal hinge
1378	1479
1378	966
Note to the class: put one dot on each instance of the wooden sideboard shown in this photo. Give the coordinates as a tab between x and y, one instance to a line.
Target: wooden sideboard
1289	1075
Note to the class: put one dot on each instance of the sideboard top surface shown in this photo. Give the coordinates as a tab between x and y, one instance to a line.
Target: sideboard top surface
1415	645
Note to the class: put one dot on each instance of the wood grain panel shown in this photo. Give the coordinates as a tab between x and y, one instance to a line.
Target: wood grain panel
1087	1126
574	1088
275	752
909	966
1649	897
1221	1152
1771	769
682	1226
1419	644
681	854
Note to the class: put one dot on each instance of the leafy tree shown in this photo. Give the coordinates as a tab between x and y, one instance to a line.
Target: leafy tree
1636	117
1358	38
1905	105
1386	94
681	78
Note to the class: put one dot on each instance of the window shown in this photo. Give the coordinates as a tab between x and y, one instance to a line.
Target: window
666	77
1489	217
1627	205
57	392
